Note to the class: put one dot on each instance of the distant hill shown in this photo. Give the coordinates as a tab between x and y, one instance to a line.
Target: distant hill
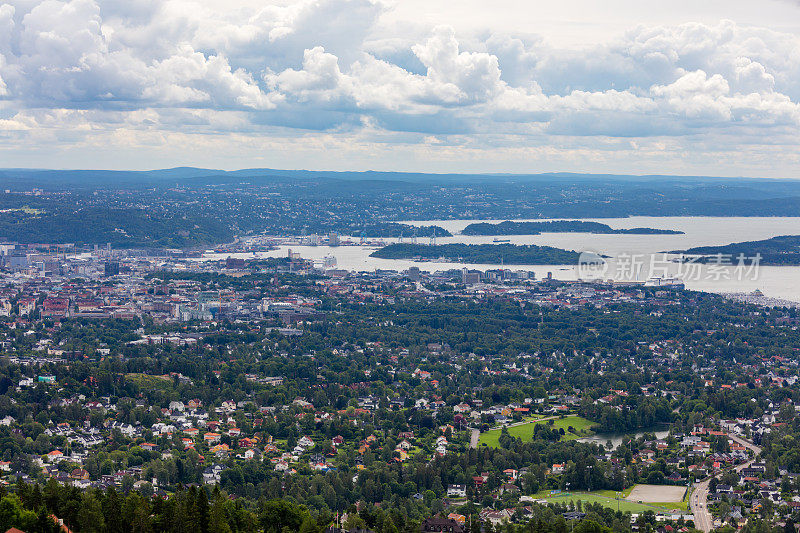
187	206
734	185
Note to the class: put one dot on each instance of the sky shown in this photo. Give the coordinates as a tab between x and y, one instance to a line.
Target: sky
620	86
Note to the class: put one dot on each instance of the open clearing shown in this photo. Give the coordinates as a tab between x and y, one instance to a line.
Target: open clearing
657	493
605	501
590	497
148	382
525	431
608	498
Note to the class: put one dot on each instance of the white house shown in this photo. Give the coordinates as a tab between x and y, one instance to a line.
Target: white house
457	491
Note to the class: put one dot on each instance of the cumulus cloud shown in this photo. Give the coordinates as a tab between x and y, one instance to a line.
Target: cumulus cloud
320	65
320	74
475	75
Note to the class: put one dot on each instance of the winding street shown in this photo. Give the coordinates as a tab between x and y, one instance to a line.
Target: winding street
699	500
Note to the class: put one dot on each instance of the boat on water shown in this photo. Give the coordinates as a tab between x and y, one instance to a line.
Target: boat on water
501	240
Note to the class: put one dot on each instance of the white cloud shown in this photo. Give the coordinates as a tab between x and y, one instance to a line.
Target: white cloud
332	66
320	73
475	75
751	76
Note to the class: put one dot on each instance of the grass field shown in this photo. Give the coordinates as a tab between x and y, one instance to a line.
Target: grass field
605	501
606	498
147	381
525	431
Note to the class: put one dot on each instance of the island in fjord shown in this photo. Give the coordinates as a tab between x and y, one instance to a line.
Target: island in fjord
394	230
777	251
557	226
509	254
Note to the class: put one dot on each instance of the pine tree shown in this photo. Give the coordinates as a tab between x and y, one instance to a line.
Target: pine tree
136	513
45	523
202	510
218	518
112	511
90	515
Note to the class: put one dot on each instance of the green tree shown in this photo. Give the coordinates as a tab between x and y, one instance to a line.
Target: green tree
279	514
90	516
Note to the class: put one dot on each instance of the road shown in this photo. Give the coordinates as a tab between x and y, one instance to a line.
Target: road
473	438
699	506
699	501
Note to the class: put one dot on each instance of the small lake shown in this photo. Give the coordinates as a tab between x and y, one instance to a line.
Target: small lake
618	438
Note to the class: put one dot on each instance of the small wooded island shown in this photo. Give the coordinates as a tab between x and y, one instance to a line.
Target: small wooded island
509	254
557	226
396	229
777	251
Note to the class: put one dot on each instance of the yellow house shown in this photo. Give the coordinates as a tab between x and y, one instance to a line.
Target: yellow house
220	448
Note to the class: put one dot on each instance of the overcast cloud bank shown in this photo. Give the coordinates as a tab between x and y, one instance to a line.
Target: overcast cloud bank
323	75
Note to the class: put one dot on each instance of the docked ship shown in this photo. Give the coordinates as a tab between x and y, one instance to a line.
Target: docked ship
672	283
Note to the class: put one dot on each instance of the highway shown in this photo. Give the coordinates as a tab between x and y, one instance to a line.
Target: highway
699	501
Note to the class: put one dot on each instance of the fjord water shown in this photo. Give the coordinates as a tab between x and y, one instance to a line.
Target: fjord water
776	282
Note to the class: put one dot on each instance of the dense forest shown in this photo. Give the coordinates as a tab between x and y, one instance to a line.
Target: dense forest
509	254
122	227
193	510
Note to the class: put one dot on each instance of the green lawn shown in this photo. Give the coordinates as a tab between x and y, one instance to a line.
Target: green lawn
682	505
525	431
613	493
535	416
414	451
148	382
610	502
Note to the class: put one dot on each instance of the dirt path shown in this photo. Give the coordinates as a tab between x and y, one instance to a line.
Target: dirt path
473	438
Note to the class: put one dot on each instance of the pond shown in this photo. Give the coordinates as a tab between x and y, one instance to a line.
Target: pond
618	438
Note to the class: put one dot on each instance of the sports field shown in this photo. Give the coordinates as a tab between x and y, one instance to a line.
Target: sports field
525	431
626	503
657	493
605	501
